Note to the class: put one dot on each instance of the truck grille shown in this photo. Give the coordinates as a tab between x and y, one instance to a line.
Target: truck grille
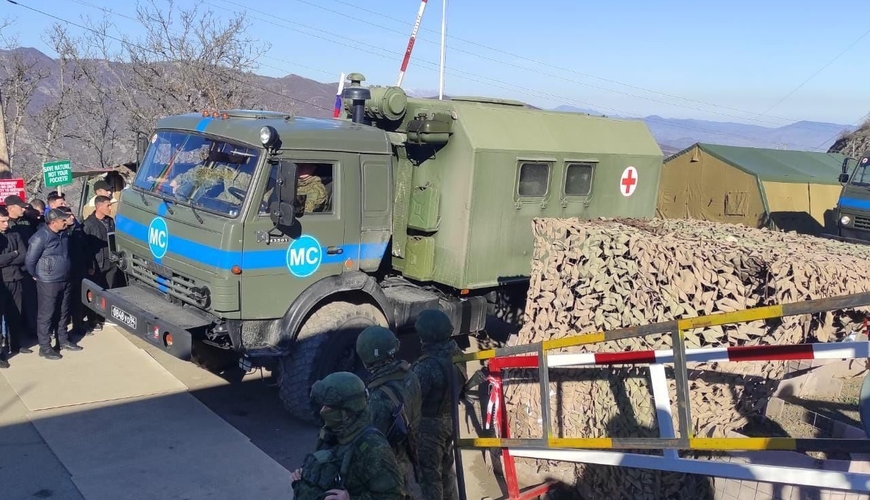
166	281
862	222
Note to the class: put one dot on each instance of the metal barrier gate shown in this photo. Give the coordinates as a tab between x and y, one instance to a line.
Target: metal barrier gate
568	449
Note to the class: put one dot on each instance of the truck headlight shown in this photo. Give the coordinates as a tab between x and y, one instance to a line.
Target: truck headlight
845	220
268	135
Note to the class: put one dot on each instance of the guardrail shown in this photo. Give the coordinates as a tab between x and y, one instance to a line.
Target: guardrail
550	447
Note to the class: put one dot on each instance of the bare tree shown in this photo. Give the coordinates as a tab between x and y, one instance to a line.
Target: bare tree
96	114
21	78
187	60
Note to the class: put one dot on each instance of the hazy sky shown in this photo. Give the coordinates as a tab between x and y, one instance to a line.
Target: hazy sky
724	61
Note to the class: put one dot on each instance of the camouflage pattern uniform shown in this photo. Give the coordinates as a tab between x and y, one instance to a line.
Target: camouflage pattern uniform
314	190
199	181
436	427
392	383
350	453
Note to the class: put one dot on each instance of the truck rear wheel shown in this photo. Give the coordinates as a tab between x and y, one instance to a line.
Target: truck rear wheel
326	344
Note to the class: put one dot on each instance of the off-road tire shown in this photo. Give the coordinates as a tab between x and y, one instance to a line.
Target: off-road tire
325	344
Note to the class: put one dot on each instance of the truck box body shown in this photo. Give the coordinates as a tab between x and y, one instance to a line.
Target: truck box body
482	234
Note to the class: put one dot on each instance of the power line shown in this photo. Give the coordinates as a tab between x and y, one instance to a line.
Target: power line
488	81
525	58
858	123
560	77
471	76
87	28
817	72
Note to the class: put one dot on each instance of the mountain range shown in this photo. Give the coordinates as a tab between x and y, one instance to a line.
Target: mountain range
674	134
304	96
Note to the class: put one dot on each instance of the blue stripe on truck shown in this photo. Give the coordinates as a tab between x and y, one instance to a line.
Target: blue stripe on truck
252	259
854	203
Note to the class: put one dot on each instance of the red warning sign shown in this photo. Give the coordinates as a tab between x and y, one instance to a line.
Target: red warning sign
9	187
628	181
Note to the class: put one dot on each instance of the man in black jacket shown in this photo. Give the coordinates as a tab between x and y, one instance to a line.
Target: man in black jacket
22	223
80	263
100	231
12	252
48	262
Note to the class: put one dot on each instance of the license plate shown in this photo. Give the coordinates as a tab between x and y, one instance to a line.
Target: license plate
124	317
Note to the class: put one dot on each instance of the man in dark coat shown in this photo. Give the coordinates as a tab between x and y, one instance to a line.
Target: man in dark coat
22	222
48	262
12	252
100	231
80	263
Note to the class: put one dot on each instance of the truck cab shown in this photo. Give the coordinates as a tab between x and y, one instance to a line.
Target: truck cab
278	238
853	206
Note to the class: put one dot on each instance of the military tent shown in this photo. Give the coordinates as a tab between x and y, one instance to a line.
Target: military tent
778	189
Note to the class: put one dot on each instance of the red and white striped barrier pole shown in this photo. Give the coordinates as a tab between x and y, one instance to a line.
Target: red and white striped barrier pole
411	42
827	350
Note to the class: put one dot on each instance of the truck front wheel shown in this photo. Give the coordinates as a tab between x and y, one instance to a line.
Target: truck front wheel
325	344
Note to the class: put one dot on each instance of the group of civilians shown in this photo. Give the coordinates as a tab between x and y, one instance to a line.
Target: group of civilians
45	252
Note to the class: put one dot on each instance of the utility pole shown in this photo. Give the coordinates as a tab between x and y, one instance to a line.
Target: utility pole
443	43
4	150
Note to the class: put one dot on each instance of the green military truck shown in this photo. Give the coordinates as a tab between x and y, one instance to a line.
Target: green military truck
853	206
428	204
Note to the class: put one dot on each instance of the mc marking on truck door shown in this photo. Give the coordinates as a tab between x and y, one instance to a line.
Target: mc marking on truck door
304	256
158	238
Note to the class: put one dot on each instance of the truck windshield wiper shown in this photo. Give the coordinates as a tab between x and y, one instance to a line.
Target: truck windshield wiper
142	195
168	205
195	214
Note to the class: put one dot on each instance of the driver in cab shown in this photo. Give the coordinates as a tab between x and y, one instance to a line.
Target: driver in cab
311	186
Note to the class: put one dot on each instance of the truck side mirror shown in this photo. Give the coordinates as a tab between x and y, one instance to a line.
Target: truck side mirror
844	178
141	147
283	211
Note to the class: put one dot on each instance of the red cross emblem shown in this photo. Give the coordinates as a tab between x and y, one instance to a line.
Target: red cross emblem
628	181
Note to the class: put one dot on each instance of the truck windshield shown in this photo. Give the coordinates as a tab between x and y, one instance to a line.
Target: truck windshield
861	176
192	169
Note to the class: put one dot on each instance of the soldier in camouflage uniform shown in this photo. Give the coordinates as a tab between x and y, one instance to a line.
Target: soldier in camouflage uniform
394	399
311	186
353	460
436	427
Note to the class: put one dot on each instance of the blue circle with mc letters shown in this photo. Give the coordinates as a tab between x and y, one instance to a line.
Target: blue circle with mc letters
304	256
158	237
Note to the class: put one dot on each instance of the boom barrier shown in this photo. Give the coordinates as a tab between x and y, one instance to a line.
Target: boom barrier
588	449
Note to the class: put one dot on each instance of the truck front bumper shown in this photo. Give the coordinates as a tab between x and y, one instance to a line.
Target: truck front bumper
147	314
846	239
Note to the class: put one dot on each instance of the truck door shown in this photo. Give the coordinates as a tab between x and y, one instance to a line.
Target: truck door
278	266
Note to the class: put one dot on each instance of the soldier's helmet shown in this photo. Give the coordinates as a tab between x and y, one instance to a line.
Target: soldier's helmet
376	344
433	326
342	390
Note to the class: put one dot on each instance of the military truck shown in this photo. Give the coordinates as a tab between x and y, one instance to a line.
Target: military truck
425	204
853	206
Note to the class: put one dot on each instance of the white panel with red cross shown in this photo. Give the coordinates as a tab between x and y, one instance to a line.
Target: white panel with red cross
628	181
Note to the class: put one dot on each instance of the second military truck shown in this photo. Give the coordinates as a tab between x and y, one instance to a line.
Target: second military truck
281	237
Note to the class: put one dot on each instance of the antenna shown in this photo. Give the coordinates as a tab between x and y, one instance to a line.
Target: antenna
443	46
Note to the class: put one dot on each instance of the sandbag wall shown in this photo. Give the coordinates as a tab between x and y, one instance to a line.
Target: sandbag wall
605	274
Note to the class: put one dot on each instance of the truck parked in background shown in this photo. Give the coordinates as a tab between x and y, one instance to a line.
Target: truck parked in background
425	204
853	206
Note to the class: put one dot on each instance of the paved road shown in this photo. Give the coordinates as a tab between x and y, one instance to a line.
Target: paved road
250	403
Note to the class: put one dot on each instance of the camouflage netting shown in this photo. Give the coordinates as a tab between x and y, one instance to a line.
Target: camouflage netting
602	275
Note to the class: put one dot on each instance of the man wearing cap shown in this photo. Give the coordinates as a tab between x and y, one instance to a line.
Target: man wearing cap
101	188
12	251
18	223
22	225
48	262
